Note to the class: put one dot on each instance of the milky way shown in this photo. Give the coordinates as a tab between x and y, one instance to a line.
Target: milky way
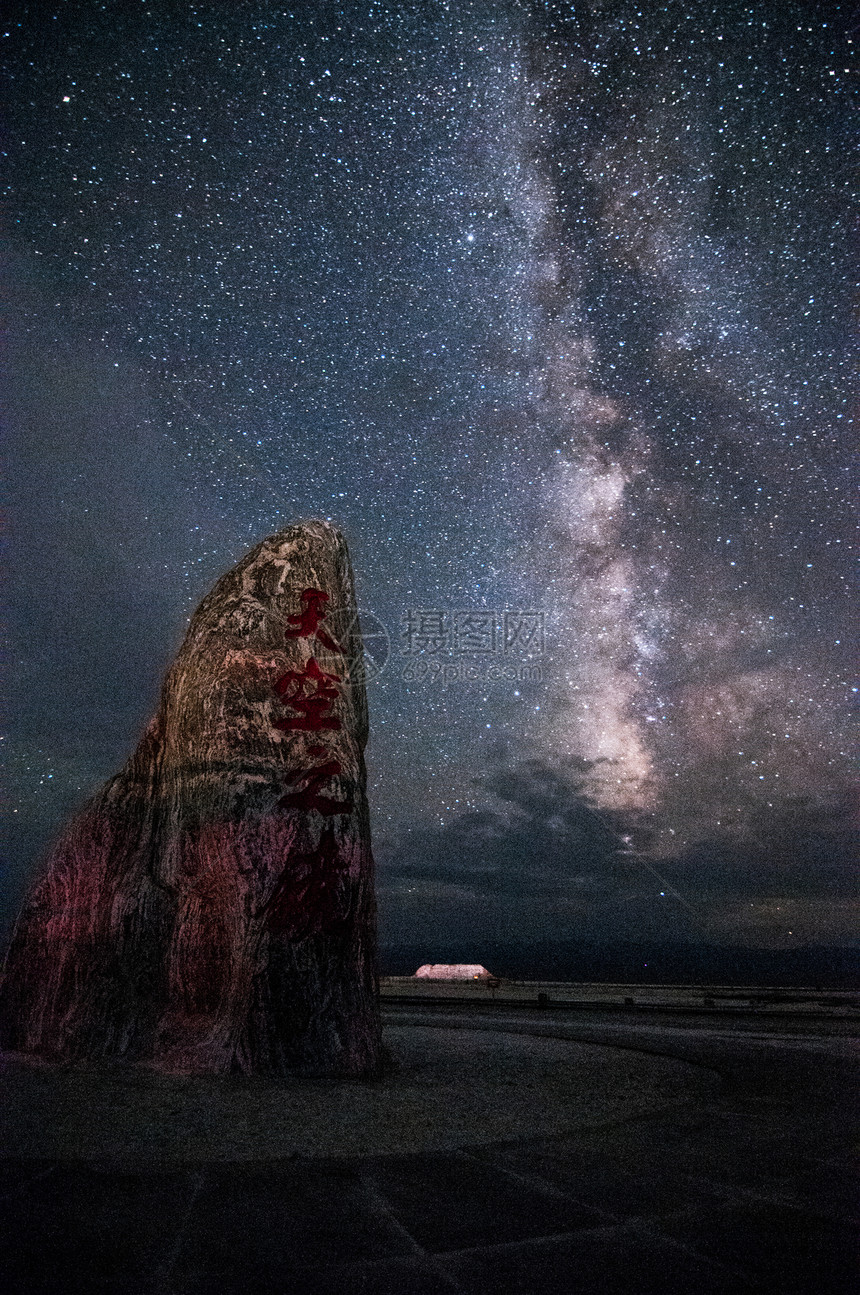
548	308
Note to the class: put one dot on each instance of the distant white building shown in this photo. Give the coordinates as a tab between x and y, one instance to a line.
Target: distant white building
453	971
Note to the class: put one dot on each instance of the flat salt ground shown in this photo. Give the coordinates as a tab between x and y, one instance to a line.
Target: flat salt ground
453	1088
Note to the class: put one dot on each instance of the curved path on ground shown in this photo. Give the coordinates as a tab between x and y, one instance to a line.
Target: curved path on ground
454	1086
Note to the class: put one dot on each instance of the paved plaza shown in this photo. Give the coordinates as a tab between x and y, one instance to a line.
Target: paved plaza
512	1150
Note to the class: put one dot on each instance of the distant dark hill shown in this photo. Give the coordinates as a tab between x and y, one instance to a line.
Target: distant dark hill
647	963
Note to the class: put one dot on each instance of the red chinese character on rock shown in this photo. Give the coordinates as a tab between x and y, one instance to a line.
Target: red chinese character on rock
305	899
309	620
311	692
309	797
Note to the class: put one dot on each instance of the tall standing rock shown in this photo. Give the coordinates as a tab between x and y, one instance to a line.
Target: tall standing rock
212	908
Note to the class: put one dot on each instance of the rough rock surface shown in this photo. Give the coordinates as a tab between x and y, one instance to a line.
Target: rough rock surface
212	908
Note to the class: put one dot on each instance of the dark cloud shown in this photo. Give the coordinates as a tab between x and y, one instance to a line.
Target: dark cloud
543	857
543	838
800	849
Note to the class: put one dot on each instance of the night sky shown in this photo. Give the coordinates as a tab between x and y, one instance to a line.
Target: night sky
548	307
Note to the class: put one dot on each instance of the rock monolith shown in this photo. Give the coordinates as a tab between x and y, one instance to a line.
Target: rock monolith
212	908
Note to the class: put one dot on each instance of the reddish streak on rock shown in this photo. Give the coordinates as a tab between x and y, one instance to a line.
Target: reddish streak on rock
315	708
309	797
201	956
310	619
304	901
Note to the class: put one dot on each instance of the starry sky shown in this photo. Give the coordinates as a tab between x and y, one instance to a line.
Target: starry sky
548	307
